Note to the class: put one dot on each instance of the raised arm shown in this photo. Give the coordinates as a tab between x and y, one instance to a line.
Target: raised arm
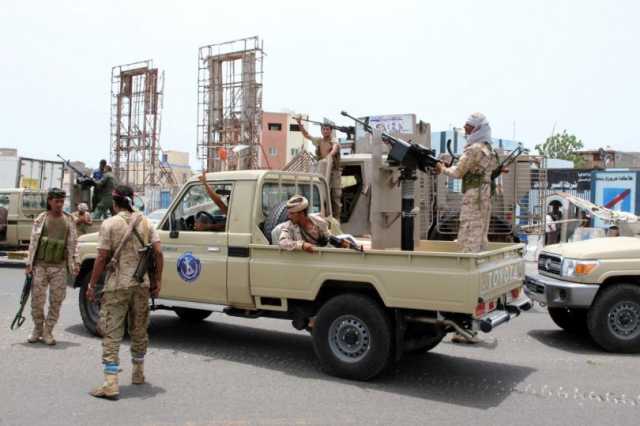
212	194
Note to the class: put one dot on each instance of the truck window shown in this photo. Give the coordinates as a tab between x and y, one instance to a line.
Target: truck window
34	201
274	193
197	212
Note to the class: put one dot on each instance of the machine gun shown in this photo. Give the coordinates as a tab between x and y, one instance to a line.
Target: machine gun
19	319
409	157
350	131
83	178
407	154
513	155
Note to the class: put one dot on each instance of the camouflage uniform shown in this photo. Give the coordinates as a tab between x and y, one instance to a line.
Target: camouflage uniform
474	167
123	296
104	199
323	147
52	275
292	236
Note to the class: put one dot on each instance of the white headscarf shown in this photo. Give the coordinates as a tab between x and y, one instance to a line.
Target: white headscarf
481	130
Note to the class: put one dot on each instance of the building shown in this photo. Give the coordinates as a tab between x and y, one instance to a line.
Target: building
607	158
281	140
178	164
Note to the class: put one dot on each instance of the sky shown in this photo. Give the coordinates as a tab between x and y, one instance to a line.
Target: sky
533	67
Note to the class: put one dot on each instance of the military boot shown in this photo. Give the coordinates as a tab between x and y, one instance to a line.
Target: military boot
36	334
109	389
47	337
137	375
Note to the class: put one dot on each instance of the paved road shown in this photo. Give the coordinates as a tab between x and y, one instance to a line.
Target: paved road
235	371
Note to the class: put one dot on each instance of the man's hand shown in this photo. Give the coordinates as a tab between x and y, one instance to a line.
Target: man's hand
91	292
298	120
504	170
439	168
203	176
308	247
155	288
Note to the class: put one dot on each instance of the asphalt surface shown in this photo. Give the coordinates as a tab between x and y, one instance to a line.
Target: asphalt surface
235	371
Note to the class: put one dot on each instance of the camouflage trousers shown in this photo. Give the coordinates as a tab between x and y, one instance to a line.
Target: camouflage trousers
475	215
54	277
336	193
129	305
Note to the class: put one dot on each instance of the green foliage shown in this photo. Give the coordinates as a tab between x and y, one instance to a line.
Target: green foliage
562	146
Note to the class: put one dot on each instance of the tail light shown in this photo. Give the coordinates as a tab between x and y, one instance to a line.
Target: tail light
515	293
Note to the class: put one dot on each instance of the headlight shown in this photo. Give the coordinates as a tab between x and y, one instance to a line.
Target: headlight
575	267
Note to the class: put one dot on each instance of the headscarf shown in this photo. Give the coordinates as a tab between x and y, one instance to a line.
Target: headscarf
481	130
83	207
297	203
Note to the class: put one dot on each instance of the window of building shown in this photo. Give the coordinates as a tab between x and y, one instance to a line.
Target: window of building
273	151
294	127
294	151
276	127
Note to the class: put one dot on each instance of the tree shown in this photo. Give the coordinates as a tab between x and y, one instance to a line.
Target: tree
562	146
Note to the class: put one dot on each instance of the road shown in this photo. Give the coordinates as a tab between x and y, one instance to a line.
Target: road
238	372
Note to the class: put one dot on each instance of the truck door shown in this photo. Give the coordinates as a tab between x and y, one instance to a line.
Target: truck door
194	236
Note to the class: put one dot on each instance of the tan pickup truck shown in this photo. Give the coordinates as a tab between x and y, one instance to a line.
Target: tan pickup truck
363	309
593	286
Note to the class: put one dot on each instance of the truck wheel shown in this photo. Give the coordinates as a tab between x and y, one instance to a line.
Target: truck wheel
192	315
90	311
352	337
571	320
614	319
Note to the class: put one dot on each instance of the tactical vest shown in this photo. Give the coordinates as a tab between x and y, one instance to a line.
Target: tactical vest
476	180
51	250
336	158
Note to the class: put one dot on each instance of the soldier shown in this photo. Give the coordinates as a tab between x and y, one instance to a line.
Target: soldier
474	168
53	253
124	299
104	201
327	147
303	231
82	219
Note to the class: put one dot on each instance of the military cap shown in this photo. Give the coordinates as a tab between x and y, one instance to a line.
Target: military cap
56	193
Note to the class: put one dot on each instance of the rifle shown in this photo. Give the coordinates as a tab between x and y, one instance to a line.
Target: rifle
350	131
337	242
18	320
507	161
408	154
81	174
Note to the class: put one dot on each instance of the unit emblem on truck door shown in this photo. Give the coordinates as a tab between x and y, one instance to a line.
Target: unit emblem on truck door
189	267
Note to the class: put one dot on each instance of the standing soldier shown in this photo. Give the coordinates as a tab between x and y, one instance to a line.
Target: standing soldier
82	219
104	201
53	253
124	298
326	147
474	168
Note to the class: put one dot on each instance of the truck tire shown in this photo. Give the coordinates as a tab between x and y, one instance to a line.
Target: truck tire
352	337
275	218
192	315
614	319
90	311
571	320
423	339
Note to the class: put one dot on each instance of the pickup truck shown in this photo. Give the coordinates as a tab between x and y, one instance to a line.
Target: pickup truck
363	309
593	286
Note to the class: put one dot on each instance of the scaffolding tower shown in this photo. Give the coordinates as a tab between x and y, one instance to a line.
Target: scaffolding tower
230	104
136	107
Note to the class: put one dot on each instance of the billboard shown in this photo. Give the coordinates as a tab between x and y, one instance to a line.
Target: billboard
615	190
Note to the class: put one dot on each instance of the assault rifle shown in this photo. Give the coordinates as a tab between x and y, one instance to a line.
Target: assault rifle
408	154
350	131
338	241
19	319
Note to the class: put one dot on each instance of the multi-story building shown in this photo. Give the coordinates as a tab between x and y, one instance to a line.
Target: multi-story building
281	140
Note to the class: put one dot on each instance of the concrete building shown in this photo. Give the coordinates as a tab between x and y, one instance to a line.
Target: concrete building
178	162
439	141
608	158
281	140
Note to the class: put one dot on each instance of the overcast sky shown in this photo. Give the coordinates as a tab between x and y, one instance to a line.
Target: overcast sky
540	64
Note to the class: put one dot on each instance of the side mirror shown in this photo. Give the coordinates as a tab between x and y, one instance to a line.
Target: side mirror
173	232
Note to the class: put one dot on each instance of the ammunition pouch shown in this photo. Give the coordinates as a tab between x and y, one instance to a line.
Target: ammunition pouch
50	251
476	180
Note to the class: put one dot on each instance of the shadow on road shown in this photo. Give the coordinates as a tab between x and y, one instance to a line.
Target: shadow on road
145	391
59	346
575	343
433	376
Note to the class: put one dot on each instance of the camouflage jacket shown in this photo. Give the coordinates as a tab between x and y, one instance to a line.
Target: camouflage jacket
477	158
292	237
71	247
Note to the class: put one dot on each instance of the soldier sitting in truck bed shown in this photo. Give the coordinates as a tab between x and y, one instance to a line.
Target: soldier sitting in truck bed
303	231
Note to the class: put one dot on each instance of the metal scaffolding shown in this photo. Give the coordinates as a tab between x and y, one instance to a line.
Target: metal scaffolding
136	107
230	104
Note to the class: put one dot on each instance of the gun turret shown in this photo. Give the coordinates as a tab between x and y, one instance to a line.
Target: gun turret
350	131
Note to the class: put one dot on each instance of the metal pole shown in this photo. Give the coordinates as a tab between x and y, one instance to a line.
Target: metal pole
408	182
